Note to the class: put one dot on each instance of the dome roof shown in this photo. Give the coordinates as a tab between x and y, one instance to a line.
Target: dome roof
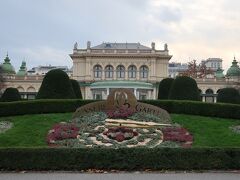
7	66
234	70
219	73
23	70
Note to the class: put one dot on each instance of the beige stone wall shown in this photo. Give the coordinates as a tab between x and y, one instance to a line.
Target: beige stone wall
83	68
23	84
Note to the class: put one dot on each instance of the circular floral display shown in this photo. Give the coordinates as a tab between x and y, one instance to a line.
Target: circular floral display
120	133
91	130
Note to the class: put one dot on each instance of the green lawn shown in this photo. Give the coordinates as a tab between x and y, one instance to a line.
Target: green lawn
31	130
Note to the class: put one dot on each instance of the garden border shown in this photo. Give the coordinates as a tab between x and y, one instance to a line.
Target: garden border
119	159
221	110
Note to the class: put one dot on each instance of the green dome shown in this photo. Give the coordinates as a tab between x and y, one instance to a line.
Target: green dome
23	70
234	70
219	73
7	66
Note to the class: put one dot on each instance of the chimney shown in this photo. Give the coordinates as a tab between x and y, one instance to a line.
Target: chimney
153	45
88	44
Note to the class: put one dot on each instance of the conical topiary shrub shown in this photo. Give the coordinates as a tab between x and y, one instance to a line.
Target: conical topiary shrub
228	95
11	94
164	88
76	89
184	88
56	85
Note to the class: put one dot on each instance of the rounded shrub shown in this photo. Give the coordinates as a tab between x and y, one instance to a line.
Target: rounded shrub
11	94
76	89
56	85
184	88
228	95
164	88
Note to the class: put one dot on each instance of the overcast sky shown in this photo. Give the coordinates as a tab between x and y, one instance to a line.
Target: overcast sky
44	32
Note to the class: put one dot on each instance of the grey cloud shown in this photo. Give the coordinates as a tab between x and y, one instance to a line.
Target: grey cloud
168	14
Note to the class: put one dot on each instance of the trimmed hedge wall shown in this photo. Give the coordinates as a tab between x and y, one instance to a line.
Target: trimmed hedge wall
10	94
41	106
70	105
184	88
120	159
56	85
221	110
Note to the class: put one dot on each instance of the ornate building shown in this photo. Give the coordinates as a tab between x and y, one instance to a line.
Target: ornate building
107	66
100	69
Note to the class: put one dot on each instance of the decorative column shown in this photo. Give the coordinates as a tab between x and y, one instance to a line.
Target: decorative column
135	92
214	99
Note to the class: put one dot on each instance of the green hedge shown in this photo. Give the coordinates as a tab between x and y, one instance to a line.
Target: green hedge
221	110
120	159
70	105
41	106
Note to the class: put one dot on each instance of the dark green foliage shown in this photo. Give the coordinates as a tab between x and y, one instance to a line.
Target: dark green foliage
56	85
11	94
41	106
164	88
198	108
119	159
70	105
76	89
228	95
184	88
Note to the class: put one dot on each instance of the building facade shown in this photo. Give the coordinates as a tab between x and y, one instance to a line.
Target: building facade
107	66
213	63
174	69
103	68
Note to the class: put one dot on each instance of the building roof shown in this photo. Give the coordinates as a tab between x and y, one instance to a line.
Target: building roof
7	66
234	70
219	73
121	84
23	69
121	46
214	59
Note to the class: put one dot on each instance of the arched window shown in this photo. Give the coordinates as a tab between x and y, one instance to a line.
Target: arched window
108	71
120	71
143	72
132	71
20	89
209	91
97	70
31	89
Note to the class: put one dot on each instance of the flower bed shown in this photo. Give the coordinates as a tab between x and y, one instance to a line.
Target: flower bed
178	134
5	125
120	133
235	129
122	112
60	132
89	130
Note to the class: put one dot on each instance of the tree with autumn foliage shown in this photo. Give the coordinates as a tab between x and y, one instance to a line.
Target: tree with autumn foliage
197	70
